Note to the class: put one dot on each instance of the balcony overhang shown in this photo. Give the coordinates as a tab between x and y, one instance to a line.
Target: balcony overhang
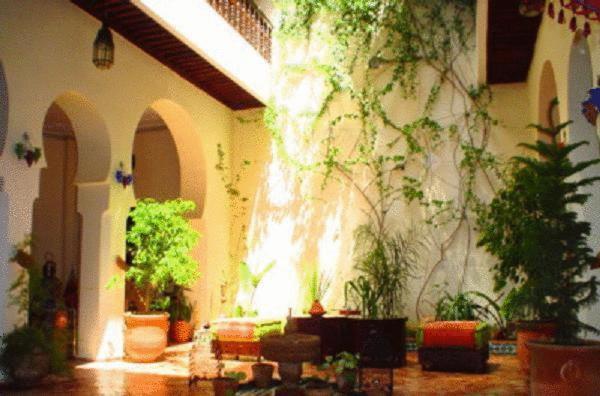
510	42
193	40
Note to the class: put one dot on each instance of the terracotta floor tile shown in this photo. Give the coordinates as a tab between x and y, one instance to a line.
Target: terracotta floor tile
170	378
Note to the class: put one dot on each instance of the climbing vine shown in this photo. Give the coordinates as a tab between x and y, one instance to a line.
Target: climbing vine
238	206
374	57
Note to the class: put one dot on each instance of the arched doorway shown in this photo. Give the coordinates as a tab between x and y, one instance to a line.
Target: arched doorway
70	216
155	161
580	82
548	112
168	163
56	228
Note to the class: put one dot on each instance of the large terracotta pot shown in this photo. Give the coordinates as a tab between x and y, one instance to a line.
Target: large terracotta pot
145	336
180	331
560	370
531	331
316	310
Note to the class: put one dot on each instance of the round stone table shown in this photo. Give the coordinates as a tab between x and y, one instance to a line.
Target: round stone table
290	351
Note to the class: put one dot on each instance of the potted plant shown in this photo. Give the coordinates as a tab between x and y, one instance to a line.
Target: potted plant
228	384
29	353
385	262
262	373
345	365
472	305
160	241
317	284
532	227
25	356
180	315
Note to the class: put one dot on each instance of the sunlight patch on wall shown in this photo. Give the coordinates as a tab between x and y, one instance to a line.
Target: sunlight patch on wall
329	249
280	287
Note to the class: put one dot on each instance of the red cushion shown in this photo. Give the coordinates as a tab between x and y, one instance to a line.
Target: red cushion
450	334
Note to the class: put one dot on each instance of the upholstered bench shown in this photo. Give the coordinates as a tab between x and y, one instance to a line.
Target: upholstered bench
241	336
454	346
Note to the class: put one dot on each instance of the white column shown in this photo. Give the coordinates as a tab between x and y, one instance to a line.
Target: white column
100	327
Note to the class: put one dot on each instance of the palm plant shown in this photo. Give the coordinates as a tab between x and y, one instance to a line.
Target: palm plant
249	281
385	264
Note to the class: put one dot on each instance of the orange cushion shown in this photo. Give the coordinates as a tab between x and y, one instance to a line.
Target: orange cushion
450	334
237	331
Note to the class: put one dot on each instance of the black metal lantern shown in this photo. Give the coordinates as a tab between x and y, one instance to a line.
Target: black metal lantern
376	365
532	8
104	48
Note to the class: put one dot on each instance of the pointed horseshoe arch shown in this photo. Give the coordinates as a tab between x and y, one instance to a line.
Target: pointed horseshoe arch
188	144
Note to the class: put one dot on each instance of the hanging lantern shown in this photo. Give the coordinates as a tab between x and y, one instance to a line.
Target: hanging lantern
531	8
104	48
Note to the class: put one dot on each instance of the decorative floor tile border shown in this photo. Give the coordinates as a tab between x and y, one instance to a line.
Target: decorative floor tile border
496	348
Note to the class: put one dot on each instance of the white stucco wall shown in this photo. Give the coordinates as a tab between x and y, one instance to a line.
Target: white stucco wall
45	49
575	71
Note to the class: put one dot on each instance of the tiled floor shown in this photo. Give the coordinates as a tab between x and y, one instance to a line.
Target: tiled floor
170	378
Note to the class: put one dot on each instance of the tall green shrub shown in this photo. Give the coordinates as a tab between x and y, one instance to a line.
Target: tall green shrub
161	239
532	228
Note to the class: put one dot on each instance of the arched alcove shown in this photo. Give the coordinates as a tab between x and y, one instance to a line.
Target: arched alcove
69	213
56	223
93	140
188	148
3	110
579	83
155	162
547	113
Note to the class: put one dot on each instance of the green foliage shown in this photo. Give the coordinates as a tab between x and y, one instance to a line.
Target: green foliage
238	204
343	361
317	284
161	239
457	307
532	228
470	305
238	376
249	281
375	50
26	341
385	264
180	308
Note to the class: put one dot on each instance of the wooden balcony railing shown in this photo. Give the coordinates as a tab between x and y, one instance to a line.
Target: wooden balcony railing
245	17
